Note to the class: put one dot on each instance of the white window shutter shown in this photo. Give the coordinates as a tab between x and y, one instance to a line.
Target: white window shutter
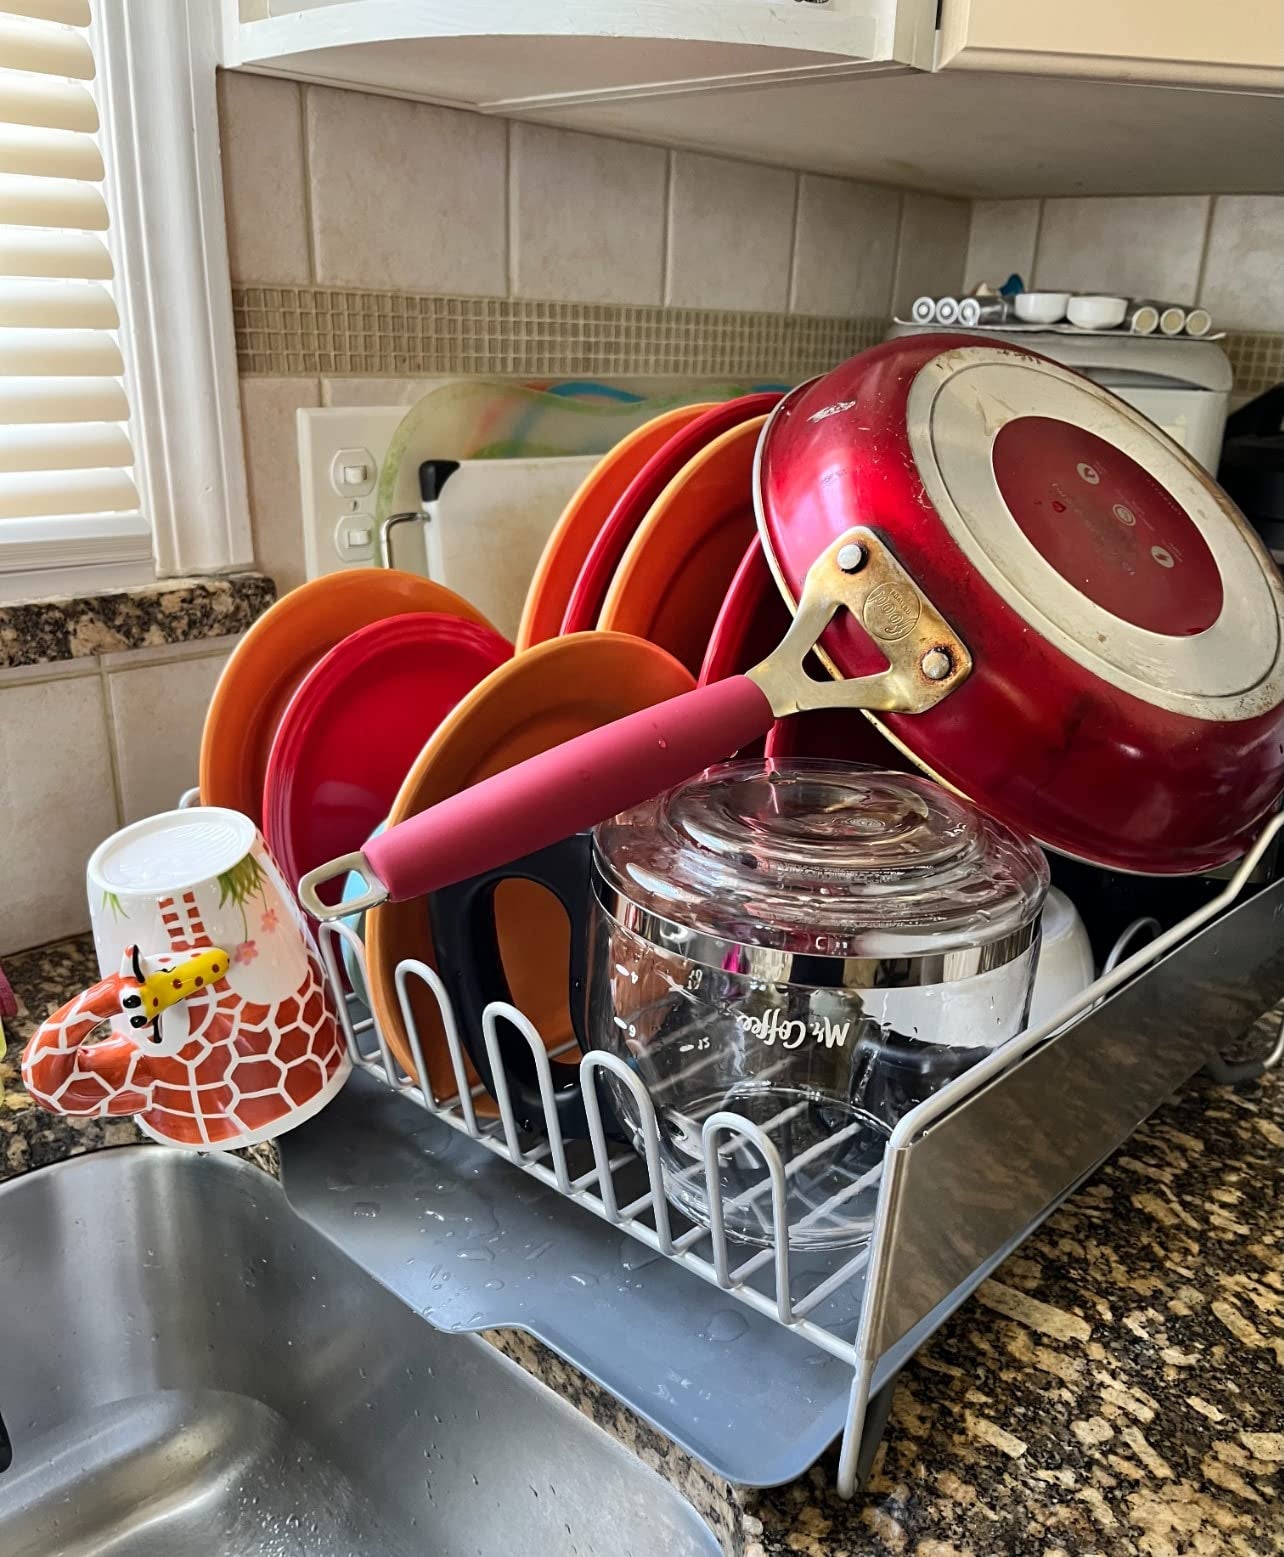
66	460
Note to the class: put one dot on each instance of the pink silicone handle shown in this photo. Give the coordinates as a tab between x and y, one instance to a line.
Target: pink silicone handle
568	788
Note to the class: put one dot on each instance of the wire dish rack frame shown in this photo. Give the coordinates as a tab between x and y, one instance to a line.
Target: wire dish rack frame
966	1175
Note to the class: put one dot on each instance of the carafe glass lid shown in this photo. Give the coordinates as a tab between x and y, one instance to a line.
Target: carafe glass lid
822	857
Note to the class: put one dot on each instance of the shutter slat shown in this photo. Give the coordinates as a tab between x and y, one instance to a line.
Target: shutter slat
61	353
84	446
51	202
32	251
65	451
46	103
57	305
49	153
56	493
71	13
62	400
44	48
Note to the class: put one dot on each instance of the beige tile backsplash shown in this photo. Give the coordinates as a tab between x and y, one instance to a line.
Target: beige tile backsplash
263	177
94	744
1002	240
731	234
844	247
1224	251
406	196
268	407
383	242
1243	281
57	800
409	197
108	740
586	217
1123	246
932	249
151	780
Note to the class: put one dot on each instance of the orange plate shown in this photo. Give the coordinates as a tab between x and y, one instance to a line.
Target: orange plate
277	653
574	533
552	692
671	582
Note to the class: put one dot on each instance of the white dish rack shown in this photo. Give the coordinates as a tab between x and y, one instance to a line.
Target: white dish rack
966	1176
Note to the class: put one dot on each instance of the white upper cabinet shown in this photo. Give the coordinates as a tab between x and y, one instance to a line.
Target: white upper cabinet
1233	45
511	56
996	97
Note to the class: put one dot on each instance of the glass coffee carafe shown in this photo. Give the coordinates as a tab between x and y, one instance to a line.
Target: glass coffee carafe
817	947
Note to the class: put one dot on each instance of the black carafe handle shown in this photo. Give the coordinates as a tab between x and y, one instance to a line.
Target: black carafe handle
468	955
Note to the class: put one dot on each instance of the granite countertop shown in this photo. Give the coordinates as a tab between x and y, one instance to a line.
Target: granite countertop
1116	1390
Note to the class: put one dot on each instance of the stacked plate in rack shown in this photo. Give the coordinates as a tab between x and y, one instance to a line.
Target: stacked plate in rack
364	697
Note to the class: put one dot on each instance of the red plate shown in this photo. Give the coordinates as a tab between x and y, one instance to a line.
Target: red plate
356	724
638	498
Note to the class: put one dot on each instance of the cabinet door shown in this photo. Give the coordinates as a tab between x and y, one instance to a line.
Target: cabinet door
1237	44
502	54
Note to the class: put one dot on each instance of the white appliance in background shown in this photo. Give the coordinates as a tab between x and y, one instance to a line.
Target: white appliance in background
1183	386
485	537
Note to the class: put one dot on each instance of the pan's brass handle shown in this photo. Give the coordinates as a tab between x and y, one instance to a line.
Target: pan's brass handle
926	658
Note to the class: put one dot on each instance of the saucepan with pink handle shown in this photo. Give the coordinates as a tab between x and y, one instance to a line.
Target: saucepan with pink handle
986	551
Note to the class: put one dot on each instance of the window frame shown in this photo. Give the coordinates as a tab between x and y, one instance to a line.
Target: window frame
155	88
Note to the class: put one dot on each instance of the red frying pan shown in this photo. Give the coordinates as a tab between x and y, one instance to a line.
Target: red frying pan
1079	631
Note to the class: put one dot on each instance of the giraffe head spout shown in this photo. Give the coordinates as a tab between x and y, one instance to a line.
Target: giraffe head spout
151	986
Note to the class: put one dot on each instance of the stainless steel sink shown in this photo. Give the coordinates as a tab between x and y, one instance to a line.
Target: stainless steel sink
186	1367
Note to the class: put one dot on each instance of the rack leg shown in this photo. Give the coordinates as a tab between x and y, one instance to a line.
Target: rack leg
866	1419
876	1414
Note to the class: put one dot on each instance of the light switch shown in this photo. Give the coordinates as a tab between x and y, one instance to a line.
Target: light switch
354	538
353	472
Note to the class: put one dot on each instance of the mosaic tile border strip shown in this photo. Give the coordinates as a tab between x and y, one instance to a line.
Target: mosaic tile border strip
1257	361
286	331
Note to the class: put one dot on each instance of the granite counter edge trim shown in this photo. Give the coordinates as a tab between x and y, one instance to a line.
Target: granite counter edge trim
182	610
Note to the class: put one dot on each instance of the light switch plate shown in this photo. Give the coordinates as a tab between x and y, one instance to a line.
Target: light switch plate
339	528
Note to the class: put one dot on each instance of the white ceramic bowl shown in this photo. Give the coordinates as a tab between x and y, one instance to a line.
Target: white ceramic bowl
1041	307
1097	313
1065	966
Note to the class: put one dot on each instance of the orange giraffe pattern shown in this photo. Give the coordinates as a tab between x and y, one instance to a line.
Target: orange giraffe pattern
244	1065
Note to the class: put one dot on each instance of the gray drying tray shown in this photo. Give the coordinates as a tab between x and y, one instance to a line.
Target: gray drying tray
470	1244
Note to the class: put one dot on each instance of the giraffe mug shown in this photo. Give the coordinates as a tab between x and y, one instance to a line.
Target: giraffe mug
222	1031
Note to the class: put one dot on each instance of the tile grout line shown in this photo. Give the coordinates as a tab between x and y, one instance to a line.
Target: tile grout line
896	257
50	672
510	204
791	290
1202	268
113	754
1038	239
310	235
667	234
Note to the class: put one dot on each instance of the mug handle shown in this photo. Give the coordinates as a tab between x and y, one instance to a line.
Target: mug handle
65	1076
68	1075
468	953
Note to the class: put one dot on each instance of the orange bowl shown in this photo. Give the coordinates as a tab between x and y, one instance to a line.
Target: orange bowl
672	580
275	655
543	697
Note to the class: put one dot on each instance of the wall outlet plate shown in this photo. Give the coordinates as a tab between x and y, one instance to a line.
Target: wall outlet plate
341	451
488	530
